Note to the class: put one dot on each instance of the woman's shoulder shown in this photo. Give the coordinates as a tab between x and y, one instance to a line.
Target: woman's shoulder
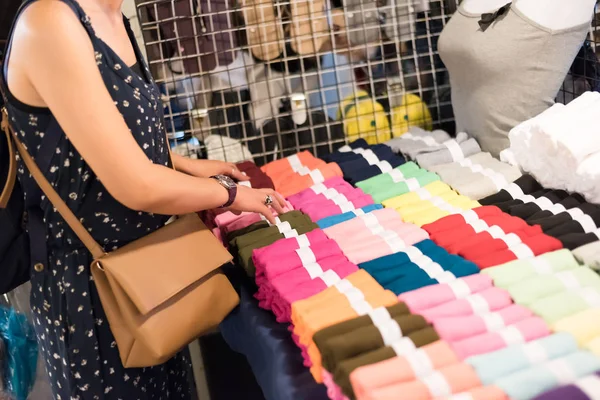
48	19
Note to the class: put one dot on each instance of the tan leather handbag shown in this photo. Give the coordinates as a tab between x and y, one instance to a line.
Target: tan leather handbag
159	292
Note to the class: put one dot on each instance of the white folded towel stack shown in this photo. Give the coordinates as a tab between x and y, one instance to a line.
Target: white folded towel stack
561	146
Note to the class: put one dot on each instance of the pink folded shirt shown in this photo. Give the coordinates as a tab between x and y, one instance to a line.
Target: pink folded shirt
228	217
282	302
434	295
285	246
418	364
311	197
386	217
491	299
274	266
446	381
521	332
389	242
335	182
318	211
454	329
479	393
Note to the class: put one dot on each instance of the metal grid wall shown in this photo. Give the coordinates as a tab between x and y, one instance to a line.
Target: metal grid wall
584	74
239	75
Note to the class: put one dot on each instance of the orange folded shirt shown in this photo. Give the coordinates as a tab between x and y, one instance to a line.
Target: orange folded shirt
444	382
295	183
420	363
332	306
286	165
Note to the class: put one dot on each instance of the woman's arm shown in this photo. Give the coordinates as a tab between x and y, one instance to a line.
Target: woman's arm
207	168
61	67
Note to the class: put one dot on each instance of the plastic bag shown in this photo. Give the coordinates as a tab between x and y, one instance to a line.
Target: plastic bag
21	353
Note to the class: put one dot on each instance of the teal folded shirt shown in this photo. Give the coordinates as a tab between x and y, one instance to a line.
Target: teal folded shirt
339	218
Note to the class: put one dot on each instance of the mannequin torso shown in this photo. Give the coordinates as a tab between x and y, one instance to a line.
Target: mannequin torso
550	14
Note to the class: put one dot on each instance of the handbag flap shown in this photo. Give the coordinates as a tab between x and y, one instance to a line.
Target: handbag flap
153	269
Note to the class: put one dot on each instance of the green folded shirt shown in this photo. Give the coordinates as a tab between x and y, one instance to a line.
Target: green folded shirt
402	187
564	304
537	287
512	272
404	171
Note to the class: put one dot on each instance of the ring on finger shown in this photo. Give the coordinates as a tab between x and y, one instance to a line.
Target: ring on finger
268	200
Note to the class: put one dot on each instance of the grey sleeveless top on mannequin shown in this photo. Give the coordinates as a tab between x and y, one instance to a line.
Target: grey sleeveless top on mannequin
506	74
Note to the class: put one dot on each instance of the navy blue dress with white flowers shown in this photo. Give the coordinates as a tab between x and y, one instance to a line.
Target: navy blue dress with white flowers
80	352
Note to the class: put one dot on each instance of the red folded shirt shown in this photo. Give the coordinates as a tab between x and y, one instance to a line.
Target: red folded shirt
450	222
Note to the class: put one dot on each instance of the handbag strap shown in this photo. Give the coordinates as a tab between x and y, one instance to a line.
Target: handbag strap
54	198
11	178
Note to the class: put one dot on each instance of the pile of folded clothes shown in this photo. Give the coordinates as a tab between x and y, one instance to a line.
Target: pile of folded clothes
565	216
477	176
244	241
360	161
487	236
434	148
401	180
429	203
560	147
456	282
297	172
332	197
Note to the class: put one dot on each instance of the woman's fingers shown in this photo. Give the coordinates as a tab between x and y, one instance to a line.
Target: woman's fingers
277	203
266	212
235	173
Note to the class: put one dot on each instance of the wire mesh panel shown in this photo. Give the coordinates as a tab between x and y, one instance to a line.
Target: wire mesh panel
584	74
262	79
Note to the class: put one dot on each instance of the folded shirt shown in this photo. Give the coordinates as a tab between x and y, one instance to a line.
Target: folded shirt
515	271
564	304
521	332
258	179
290	184
495	365
415	365
314	195
444	382
337	205
486	301
428	191
552	221
584	388
411	184
417	141
572	241
400	173
453	150
589	254
524	185
368	338
330	221
536	380
478	176
452	329
368	171
579	325
407	345
287	165
435	295
528	291
533	246
295	217
479	393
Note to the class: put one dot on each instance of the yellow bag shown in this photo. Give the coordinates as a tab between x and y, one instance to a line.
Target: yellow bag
411	112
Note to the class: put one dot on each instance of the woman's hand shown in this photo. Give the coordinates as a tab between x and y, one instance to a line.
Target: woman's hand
253	200
208	168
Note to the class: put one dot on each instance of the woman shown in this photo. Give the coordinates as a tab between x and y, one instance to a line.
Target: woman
78	64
